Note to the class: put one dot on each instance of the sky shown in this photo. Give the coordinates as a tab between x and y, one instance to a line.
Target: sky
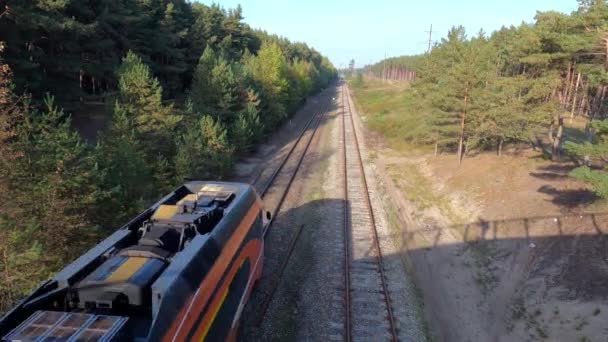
367	30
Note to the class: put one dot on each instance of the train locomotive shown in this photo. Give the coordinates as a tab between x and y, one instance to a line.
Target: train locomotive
180	271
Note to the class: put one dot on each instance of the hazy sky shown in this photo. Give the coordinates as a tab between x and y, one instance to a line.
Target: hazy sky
366	30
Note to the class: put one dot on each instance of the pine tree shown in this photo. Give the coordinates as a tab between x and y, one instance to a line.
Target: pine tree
51	187
11	115
217	151
170	46
13	255
230	93
140	97
247	129
202	94
55	177
203	151
268	71
124	177
218	88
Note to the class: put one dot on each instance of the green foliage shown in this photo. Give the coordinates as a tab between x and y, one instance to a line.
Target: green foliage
203	151
412	63
201	93
11	115
597	179
218	87
59	194
358	81
140	97
54	176
49	189
268	72
124	178
593	152
247	129
506	87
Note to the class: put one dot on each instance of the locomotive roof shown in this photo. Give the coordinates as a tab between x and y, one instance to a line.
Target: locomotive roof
185	268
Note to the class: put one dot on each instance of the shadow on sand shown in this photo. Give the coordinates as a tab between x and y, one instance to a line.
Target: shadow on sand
543	277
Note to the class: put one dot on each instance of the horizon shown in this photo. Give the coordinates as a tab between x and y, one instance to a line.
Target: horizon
339	36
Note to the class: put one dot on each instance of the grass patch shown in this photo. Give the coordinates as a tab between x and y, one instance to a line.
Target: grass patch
418	189
392	110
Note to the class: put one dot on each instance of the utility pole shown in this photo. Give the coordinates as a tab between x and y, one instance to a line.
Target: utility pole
430	32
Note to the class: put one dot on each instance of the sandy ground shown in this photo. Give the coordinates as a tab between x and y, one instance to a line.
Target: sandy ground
502	249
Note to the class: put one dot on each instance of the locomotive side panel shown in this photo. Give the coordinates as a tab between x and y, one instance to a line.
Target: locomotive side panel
213	300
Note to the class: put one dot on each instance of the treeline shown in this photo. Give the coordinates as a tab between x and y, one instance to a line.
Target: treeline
72	48
60	195
483	92
402	68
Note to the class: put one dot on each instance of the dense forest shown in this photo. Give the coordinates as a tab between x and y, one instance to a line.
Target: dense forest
188	87
519	85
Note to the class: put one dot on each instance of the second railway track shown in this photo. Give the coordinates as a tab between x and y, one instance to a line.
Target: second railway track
286	174
268	187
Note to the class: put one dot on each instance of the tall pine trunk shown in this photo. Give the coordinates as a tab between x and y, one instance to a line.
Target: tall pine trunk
600	104
583	108
499	147
566	91
556	138
578	81
462	125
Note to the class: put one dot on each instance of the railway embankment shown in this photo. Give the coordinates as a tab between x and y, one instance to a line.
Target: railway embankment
500	248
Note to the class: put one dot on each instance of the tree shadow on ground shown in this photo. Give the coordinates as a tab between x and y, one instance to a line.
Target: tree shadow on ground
554	171
569	198
566	198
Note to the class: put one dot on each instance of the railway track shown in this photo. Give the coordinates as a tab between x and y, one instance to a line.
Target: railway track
368	312
270	190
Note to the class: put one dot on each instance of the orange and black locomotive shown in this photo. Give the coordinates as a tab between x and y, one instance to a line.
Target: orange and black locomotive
182	270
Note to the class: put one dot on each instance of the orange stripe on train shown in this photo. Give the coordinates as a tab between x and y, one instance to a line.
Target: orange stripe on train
183	323
251	250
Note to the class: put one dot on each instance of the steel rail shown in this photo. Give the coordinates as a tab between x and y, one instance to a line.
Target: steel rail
266	303
346	225
368	203
278	207
275	173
